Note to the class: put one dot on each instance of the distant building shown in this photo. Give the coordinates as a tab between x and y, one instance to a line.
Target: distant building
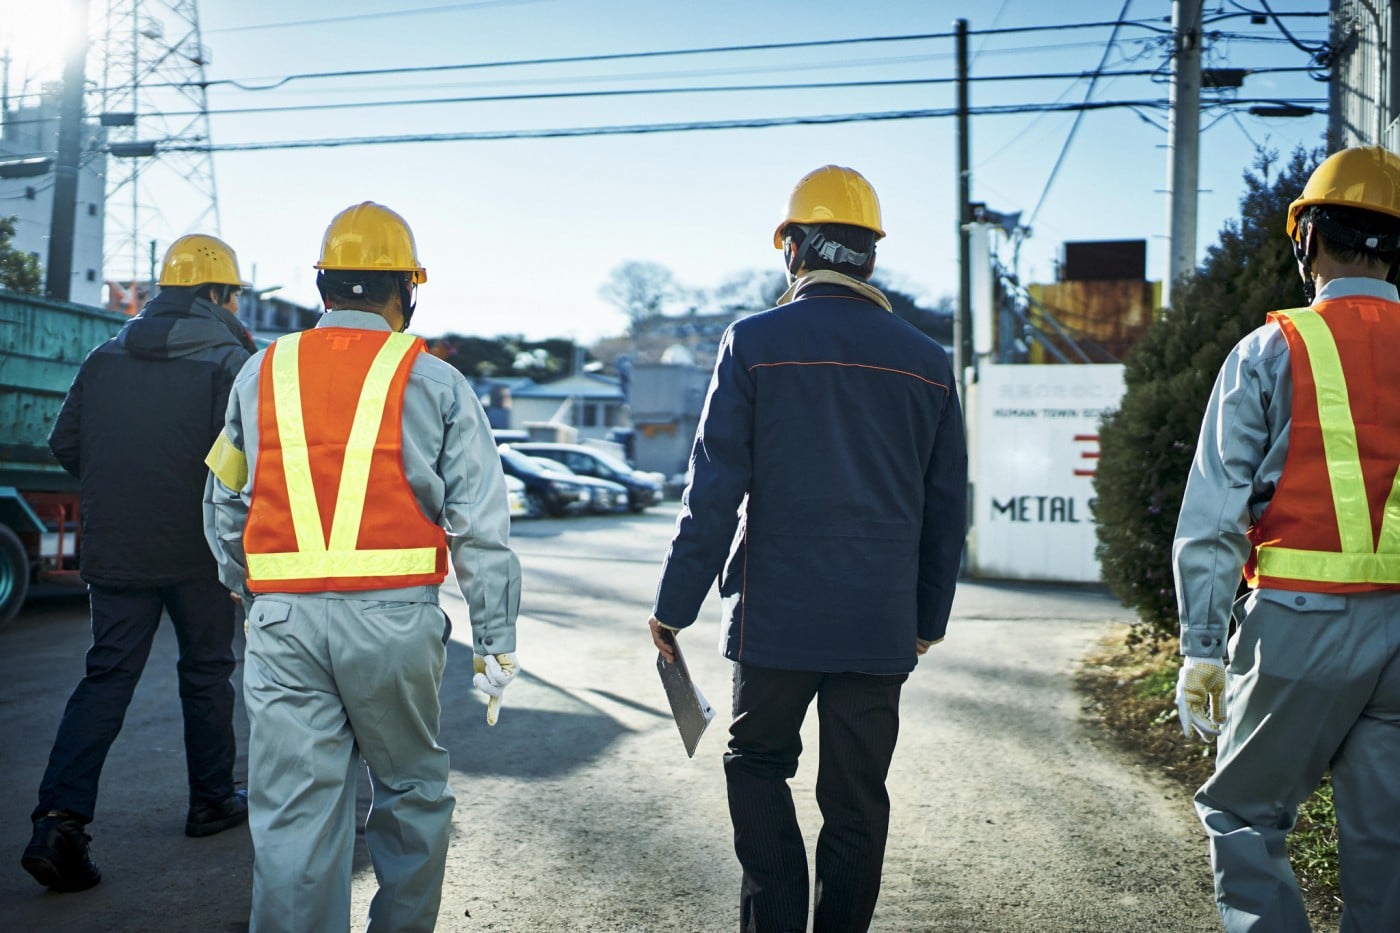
266	316
271	317
28	149
1101	306
666	400
590	403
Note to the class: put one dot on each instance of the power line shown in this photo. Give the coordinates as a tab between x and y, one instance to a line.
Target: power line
1078	118
378	16
649	128
1311	50
658	53
704	89
746	88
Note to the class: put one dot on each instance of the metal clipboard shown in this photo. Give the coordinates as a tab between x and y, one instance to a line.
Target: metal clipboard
691	710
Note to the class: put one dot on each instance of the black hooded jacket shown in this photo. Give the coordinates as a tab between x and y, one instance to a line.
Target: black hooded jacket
140	417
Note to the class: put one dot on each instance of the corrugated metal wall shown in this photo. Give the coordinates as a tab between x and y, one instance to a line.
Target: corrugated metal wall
1363	95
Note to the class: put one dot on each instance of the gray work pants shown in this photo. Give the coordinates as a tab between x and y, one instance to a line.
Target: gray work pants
328	682
1313	684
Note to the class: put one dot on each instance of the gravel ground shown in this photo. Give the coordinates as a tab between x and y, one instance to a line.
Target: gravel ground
581	812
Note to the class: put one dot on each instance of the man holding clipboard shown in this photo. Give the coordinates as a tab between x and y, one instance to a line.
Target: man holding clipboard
829	499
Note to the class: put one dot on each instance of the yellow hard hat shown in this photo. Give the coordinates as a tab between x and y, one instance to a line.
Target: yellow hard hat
370	237
832	195
200	259
1365	177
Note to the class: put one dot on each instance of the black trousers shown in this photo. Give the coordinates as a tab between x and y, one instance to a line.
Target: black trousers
859	723
124	623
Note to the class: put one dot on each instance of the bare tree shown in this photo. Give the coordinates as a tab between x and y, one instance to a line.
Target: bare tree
640	290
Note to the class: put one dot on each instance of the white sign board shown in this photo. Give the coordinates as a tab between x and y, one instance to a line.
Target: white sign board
1034	444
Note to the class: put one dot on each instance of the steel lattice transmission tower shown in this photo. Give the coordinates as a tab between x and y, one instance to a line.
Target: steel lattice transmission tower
150	62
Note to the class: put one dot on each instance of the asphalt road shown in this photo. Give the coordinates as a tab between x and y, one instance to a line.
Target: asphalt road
581	812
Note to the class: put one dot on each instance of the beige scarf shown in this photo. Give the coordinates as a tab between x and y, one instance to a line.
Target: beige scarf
827	276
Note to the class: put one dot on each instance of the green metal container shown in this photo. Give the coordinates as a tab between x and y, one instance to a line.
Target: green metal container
42	343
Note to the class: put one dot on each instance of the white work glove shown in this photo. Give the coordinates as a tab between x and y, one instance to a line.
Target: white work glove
1200	696
493	673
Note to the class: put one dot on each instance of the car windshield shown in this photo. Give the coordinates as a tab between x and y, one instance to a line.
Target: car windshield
552	466
617	466
518	461
609	466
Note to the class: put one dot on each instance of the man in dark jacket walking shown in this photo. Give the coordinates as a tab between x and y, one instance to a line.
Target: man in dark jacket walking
135	427
830	468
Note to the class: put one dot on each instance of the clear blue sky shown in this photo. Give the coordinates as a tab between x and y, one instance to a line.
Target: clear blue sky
519	235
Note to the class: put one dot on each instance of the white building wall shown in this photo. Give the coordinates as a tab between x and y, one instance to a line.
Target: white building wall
33	131
1033	436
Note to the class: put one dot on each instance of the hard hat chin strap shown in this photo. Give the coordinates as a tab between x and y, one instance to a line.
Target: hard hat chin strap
408	299
825	248
1300	253
1379	244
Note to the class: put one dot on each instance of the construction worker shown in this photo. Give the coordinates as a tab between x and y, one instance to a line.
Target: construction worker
134	429
352	465
1294	480
830	470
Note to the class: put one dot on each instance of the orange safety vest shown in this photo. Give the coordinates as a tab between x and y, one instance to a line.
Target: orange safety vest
331	507
1333	525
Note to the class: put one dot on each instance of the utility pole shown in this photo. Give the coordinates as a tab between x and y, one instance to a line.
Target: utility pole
59	282
1183	143
962	324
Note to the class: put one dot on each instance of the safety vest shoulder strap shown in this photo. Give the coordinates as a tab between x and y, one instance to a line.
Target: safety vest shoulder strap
1338	430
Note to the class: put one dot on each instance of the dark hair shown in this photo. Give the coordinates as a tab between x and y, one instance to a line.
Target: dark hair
220	291
856	239
1344	230
358	288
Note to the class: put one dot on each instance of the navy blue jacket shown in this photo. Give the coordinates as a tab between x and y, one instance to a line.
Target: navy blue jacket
830	467
135	427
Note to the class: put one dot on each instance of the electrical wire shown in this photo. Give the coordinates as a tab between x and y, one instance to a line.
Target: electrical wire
648	128
1311	50
658	53
379	16
705	89
1078	118
632	92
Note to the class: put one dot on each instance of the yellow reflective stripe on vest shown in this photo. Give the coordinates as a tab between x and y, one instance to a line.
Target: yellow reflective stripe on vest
320	565
1329	566
1358	561
291	433
359	448
313	558
1390	525
1338	432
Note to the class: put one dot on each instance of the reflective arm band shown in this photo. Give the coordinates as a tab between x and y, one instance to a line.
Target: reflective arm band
227	462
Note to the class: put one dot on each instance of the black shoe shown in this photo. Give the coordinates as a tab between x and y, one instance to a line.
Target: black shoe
206	819
57	855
